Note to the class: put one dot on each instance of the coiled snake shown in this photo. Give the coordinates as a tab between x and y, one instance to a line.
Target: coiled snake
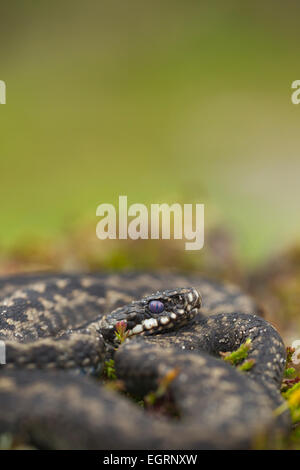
54	324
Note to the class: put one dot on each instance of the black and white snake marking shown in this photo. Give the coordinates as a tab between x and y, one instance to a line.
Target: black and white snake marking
56	324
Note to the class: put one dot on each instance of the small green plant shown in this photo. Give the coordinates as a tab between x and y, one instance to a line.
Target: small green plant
157	396
292	397
111	381
290	389
109	370
121	332
246	365
239	357
290	374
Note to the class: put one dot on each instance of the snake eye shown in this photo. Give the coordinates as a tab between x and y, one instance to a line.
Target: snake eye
155	306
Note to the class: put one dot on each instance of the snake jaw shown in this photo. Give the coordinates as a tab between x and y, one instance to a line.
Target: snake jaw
180	306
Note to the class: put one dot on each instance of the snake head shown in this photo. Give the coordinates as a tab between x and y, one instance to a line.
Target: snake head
155	313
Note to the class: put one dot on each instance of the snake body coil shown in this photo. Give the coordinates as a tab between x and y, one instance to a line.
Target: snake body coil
53	324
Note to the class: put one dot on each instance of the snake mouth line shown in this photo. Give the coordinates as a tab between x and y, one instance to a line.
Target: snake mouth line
154	325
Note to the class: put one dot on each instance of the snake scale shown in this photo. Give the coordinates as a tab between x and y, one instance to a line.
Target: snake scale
59	329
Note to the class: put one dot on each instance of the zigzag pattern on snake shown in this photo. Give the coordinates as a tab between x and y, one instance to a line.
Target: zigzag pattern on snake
57	325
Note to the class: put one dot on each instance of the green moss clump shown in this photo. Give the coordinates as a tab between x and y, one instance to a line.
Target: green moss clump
109	370
239	357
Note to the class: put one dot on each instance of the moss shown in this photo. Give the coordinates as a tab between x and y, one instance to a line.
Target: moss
109	371
160	401
246	365
162	388
292	396
290	376
236	357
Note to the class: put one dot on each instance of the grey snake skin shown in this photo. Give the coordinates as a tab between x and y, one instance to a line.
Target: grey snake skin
59	330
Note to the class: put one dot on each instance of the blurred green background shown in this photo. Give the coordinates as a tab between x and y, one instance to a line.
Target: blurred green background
163	101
